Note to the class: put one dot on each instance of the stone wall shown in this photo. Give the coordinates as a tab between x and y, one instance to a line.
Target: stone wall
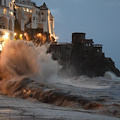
76	60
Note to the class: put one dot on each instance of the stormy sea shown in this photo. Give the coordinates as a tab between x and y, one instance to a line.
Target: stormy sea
31	81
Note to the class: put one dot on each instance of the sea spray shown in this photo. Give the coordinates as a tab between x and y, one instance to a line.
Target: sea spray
18	59
49	68
21	59
24	67
27	71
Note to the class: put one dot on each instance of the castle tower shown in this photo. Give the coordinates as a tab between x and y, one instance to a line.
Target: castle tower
47	20
78	38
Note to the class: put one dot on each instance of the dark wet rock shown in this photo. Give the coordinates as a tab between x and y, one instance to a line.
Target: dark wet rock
82	57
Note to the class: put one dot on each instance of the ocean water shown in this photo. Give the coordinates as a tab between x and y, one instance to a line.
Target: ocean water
27	71
106	88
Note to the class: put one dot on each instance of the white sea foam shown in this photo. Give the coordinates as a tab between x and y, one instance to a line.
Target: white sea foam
20	58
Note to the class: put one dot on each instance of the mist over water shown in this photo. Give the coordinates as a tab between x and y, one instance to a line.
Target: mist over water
16	60
21	59
25	67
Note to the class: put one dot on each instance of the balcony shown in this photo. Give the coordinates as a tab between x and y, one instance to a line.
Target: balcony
97	45
26	3
6	12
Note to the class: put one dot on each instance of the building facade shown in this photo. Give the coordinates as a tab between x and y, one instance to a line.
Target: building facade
30	16
27	15
6	19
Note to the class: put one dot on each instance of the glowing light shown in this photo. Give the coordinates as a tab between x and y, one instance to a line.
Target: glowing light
24	9
39	34
4	11
11	13
25	34
20	36
56	37
6	36
0	47
27	10
15	34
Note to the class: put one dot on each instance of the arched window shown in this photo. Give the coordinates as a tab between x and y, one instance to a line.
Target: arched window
0	2
10	24
4	2
3	22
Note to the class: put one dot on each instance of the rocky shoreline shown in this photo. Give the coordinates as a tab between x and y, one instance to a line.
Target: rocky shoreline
82	57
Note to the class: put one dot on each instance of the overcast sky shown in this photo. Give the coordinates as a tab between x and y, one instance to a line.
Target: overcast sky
99	19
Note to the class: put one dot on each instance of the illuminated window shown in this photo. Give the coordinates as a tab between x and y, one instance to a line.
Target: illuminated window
30	11
11	13
24	9
4	11
27	10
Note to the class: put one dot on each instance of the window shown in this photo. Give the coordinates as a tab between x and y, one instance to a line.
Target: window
0	2
4	2
86	44
11	13
27	10
10	24
10	5
4	11
42	13
33	18
98	50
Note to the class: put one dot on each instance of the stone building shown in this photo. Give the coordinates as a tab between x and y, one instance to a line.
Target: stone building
30	16
82	57
86	44
18	16
6	19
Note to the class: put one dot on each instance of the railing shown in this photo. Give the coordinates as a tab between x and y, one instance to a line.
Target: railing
26	3
97	45
6	12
